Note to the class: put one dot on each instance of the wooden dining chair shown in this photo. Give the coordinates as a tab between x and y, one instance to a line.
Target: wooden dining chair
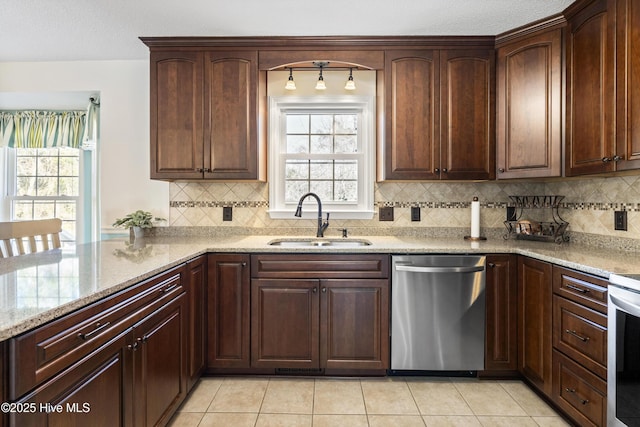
21	237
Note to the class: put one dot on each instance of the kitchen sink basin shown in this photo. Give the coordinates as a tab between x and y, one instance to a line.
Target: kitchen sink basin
319	243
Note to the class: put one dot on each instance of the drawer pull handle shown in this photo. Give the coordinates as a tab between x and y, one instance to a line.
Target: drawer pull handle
577	289
575	334
169	288
573	391
99	327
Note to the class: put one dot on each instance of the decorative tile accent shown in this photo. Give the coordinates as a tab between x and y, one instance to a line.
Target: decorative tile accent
588	205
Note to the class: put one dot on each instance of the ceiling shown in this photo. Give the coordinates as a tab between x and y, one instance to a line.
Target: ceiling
67	30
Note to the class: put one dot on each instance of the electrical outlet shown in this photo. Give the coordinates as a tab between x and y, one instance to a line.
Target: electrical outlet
620	220
227	213
415	213
511	213
386	214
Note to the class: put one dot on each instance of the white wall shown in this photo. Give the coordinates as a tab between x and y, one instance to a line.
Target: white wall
124	125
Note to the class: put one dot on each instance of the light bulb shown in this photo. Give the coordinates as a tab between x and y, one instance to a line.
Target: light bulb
291	85
320	85
351	84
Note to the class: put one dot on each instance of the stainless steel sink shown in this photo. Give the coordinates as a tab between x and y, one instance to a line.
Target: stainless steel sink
319	243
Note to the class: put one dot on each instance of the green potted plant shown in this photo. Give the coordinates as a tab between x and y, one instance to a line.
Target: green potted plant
136	222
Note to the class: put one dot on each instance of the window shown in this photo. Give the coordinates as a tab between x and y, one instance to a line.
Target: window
324	146
45	185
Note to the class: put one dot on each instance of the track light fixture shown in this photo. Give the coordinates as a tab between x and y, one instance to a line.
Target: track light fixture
320	84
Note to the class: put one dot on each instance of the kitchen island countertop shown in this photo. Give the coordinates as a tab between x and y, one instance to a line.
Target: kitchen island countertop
41	287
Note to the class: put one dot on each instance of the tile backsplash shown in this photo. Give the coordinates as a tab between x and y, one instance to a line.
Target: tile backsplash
588	205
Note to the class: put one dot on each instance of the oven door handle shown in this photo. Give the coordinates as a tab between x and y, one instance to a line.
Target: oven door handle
625	305
455	269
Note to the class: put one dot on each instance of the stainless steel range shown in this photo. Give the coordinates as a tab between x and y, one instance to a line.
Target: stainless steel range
623	370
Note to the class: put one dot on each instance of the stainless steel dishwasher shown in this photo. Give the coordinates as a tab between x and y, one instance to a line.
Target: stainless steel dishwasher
437	313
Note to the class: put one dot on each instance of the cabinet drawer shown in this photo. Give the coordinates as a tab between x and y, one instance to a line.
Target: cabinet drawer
582	288
303	266
578	392
45	351
581	333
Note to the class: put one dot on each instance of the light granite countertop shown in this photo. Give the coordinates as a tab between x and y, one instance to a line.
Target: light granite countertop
38	288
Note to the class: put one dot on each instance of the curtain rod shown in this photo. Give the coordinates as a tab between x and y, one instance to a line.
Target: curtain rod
94	102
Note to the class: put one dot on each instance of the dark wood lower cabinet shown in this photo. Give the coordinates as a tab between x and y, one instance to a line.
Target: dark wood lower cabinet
354	326
159	364
320	324
196	288
501	339
228	311
320	312
534	322
96	391
139	378
285	323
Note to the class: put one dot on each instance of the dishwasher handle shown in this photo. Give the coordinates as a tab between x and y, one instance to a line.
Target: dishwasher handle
450	269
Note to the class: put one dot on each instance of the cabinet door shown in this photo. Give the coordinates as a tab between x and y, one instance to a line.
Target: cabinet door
96	391
467	136
534	322
354	324
196	282
529	114
412	148
628	83
228	311
176	115
591	89
284	323
501	347
160	368
231	135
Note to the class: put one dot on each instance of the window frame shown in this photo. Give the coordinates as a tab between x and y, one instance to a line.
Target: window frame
11	178
364	106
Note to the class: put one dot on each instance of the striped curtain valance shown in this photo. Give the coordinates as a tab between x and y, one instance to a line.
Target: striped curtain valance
42	129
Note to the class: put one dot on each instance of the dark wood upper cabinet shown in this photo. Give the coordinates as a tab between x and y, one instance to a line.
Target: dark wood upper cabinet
204	115
439	114
231	112
590	144
467	114
628	84
412	148
529	100
176	115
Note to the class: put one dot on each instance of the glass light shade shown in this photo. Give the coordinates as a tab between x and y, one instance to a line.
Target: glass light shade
320	85
291	85
351	84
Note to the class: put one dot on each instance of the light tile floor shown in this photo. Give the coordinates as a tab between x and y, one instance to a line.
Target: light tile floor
374	402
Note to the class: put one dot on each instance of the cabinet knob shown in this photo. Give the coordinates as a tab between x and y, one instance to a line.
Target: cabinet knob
244	264
315	290
437	170
617	158
199	170
492	265
501	170
324	290
445	170
606	159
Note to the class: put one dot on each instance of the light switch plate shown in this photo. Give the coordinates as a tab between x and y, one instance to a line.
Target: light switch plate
386	214
227	213
620	220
